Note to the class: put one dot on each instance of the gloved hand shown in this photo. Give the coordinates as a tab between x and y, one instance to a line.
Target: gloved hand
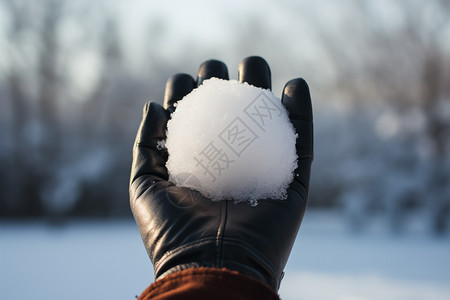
181	228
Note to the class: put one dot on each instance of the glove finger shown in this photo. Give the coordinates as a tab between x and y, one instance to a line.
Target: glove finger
255	71
149	156
212	68
297	100
177	86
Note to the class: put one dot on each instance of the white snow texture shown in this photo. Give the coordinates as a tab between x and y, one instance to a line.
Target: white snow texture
231	140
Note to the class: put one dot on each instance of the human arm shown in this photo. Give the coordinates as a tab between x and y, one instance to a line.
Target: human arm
181	229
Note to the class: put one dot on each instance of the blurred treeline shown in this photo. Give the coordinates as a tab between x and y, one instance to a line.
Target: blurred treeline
74	78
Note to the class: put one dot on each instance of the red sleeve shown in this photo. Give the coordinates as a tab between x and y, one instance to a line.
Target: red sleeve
208	283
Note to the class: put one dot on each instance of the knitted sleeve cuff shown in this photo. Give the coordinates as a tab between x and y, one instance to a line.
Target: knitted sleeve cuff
208	283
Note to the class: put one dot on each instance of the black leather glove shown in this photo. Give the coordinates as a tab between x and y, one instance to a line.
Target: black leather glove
181	228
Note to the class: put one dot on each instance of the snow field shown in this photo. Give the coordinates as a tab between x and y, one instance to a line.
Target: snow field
107	260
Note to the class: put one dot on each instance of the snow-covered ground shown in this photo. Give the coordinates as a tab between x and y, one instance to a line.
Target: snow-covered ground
106	260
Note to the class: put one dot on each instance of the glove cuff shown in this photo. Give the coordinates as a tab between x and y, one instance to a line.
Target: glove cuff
235	255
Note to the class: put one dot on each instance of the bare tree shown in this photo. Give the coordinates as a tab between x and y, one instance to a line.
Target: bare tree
20	191
401	61
46	168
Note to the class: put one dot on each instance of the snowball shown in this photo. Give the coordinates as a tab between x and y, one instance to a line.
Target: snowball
231	140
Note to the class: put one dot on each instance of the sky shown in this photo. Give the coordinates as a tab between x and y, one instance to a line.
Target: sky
287	33
211	27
